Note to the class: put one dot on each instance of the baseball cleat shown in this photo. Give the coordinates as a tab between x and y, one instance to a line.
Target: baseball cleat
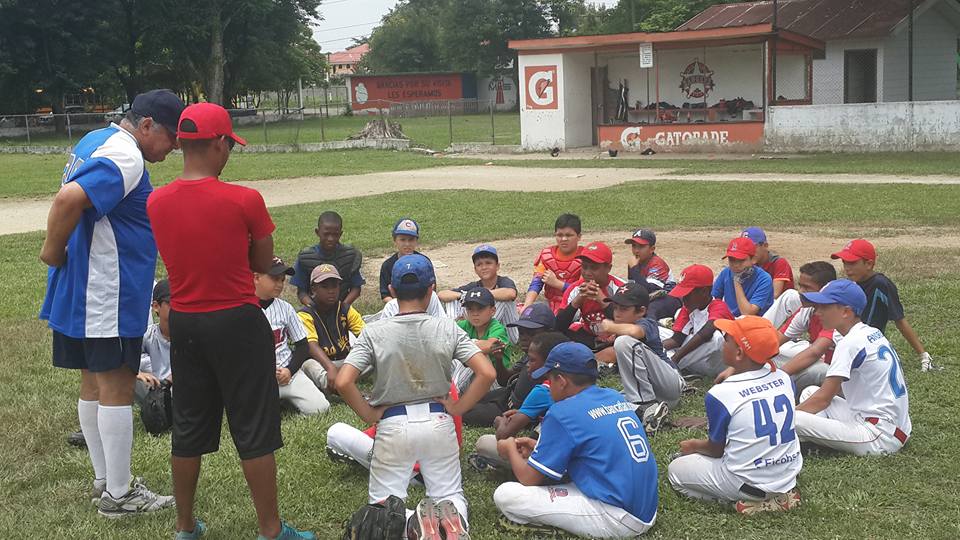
423	524
337	457
653	417
776	502
76	439
528	530
480	463
451	522
138	500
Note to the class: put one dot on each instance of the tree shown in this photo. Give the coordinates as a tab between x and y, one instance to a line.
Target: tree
407	40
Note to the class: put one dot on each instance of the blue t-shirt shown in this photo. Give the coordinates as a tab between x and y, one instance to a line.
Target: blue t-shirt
759	290
537	402
104	288
596	438
651	338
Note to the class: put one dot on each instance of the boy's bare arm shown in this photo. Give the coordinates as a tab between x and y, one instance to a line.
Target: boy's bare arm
910	335
483	376
821	399
346	385
504	294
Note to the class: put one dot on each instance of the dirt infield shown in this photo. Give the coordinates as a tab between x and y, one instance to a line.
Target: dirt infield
18	215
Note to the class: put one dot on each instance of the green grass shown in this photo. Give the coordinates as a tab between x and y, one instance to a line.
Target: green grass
432	132
913	494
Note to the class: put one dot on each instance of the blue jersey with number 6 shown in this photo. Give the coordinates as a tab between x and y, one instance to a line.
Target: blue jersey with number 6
752	414
597	439
873	383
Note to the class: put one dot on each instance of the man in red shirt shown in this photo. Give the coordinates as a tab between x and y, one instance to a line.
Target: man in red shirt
773	264
212	236
583	308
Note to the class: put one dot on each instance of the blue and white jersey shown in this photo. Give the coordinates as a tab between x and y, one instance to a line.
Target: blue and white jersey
752	414
873	383
597	439
104	287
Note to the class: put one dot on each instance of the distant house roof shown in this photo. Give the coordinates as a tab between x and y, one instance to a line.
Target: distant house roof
820	19
351	55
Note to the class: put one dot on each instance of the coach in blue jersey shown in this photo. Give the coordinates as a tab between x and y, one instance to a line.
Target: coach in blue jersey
102	259
592	436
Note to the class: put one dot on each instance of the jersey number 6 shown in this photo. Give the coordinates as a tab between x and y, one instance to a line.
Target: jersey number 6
633	435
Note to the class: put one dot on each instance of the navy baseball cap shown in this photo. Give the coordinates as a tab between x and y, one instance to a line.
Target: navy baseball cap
279	268
642	237
756	234
162	105
569	357
406	227
478	295
412	265
161	291
536	317
485	249
630	294
839	291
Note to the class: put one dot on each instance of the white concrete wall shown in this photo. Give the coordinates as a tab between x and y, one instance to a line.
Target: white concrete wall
866	127
578	121
541	129
828	72
486	93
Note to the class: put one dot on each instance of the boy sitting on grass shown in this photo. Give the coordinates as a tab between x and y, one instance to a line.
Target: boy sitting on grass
647	267
584	300
328	323
486	263
329	250
556	266
745	287
489	335
406	239
696	343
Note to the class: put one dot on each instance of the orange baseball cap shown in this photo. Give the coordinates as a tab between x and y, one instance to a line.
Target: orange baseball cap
856	250
755	336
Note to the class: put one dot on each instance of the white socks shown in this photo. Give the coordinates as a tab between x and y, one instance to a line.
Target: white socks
87	411
116	432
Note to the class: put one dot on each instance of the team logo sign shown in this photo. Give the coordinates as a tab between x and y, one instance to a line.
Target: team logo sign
542	88
630	137
361	93
696	80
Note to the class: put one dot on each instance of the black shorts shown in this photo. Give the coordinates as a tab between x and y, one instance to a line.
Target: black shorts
96	354
224	360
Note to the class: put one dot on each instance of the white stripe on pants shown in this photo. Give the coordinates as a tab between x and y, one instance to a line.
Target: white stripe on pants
419	436
702	477
566	507
304	395
840	428
645	376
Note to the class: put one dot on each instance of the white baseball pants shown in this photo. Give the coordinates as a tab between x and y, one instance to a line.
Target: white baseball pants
487	447
304	395
706	360
566	507
812	376
419	436
351	442
783	308
645	376
840	428
702	477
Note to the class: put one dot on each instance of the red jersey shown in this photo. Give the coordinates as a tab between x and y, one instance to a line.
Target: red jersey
591	312
566	268
203	230
655	269
779	270
691	322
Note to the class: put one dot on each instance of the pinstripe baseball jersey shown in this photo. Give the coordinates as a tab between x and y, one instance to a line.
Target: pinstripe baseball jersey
287	327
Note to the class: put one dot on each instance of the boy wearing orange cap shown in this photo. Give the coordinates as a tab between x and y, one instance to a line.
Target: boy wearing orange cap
752	455
883	300
696	345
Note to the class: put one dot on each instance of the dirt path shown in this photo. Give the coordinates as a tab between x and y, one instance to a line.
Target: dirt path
680	248
18	215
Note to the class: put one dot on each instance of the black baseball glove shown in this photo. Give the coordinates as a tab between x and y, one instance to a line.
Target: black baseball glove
386	520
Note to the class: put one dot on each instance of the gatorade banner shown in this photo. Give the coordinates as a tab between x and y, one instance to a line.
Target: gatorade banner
680	136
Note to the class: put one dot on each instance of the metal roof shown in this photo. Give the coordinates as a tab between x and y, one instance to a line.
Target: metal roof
821	19
351	55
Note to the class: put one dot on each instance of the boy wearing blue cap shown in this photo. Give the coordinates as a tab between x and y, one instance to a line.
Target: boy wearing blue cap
486	264
412	355
779	269
406	239
591	435
873	415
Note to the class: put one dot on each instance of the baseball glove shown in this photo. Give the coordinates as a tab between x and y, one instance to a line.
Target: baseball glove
386	520
156	410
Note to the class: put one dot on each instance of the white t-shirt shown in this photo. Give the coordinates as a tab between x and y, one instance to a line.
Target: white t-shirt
434	309
873	383
286	326
752	413
155	354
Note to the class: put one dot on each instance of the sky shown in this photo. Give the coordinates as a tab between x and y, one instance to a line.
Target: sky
346	19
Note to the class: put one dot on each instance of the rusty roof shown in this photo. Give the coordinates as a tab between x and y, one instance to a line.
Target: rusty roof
351	55
820	19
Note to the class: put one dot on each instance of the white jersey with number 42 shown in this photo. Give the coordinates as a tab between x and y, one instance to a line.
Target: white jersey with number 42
873	384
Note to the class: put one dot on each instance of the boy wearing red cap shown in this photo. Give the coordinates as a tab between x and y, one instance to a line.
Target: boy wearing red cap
557	267
212	236
883	300
583	301
752	455
696	345
747	289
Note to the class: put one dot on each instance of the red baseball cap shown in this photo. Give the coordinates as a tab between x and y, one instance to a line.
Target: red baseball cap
211	121
741	247
755	336
692	277
856	250
597	252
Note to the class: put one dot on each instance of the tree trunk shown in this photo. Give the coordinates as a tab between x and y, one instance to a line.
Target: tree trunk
213	83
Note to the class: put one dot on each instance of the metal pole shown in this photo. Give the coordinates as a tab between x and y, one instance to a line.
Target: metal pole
450	121
773	57
69	130
26	122
910	54
493	132
300	96
264	121
323	135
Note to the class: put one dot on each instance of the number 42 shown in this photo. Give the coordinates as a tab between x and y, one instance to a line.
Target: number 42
764	424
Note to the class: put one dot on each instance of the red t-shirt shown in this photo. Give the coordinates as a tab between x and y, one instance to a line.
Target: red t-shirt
779	269
716	309
203	230
591	312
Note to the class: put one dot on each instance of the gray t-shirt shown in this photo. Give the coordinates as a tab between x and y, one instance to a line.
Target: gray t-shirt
413	356
155	355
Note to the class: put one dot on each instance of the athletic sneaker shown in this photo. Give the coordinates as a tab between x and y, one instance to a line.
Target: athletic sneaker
99	486
529	530
451	522
687	388
137	501
424	524
199	528
776	502
481	464
337	457
288	532
653	417
76	439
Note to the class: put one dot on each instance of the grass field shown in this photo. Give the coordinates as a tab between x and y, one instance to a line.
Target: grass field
23	175
914	494
431	132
